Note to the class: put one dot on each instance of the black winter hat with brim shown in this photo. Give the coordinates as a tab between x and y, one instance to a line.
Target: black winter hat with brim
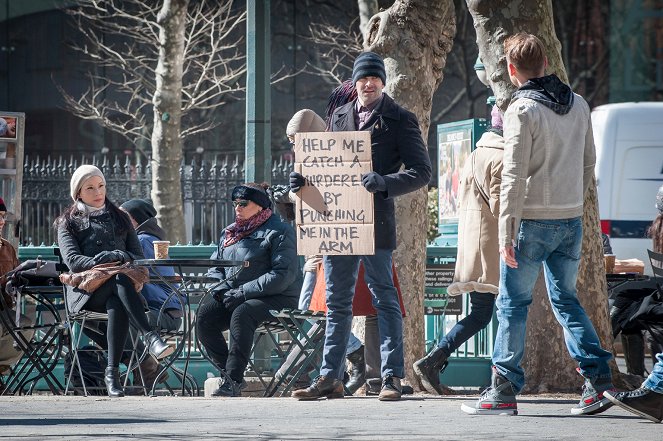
140	209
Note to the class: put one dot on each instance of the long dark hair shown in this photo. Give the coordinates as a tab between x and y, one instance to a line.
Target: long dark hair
69	215
655	231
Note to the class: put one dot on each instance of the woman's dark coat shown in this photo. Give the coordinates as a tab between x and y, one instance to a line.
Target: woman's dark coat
78	249
273	264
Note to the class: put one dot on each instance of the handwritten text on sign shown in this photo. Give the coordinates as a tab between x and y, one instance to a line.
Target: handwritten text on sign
334	211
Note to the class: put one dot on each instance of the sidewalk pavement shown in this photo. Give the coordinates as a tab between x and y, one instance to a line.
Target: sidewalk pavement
420	417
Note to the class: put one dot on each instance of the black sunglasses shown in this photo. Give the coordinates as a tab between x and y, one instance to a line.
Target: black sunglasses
240	203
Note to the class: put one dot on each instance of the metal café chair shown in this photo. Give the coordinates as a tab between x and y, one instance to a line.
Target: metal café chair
41	340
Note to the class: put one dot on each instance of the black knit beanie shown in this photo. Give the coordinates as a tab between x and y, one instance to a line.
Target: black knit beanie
369	64
140	209
3	207
257	195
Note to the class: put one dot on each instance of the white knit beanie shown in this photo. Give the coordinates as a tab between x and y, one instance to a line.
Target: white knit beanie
305	120
83	173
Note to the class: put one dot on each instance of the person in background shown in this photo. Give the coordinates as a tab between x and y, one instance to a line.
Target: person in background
647	400
93	231
478	260
9	354
165	309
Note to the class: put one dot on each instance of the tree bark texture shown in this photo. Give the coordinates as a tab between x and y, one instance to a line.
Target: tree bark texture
167	100
547	364
414	37
367	8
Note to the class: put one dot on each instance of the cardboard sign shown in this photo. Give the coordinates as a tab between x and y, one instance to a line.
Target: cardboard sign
334	212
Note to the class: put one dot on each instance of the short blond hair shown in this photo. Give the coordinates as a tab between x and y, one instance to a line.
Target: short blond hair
526	52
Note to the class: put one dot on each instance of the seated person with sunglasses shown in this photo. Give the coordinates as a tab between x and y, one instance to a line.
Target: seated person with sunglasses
272	281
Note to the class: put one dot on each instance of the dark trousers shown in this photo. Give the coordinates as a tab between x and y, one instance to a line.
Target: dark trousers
118	298
214	318
480	314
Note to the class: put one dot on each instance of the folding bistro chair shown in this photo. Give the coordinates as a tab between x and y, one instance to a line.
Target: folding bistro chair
304	346
41	342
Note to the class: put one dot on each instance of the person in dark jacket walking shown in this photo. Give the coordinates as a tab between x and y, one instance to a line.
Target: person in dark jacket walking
396	141
93	231
272	281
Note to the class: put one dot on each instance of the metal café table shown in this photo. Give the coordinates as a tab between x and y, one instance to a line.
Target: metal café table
41	351
619	281
190	280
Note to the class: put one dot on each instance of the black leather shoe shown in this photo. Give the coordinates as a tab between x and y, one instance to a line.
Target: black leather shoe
391	389
157	347
229	388
322	387
112	380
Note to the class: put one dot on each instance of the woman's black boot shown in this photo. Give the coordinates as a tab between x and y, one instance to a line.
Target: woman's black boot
157	347
428	370
112	380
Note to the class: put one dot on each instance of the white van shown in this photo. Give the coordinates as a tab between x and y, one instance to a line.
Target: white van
629	171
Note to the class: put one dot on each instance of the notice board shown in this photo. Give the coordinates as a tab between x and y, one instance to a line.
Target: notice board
436	299
334	212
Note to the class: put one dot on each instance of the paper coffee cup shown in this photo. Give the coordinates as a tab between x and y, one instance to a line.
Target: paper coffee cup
609	263
161	249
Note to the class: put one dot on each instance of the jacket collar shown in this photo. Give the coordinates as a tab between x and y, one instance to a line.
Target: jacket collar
345	118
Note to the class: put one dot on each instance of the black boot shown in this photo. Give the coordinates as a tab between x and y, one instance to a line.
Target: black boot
634	353
157	347
358	370
112	380
428	370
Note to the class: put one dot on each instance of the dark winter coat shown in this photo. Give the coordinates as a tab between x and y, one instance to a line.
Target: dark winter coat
273	265
79	247
395	140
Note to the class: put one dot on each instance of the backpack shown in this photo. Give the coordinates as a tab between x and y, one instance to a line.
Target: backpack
93	364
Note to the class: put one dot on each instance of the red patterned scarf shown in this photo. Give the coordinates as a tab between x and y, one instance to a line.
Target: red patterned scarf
243	227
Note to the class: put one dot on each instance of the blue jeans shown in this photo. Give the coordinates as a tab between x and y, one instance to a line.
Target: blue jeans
478	318
307	290
556	244
655	380
341	277
305	297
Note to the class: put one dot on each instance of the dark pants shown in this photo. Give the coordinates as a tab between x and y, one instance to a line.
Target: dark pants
118	298
478	318
214	318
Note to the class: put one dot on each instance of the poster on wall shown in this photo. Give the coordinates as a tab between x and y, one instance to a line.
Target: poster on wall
454	148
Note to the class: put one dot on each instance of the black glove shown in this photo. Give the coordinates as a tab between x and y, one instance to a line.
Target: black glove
373	182
233	298
110	256
297	181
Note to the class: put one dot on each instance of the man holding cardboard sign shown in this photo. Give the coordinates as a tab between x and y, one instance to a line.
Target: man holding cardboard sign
395	141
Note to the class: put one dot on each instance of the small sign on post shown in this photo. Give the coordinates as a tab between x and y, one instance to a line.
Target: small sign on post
436	299
334	212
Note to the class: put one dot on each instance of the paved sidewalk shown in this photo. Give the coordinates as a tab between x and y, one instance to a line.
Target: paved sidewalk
420	417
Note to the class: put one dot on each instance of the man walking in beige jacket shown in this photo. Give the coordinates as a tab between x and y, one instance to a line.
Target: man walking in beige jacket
548	147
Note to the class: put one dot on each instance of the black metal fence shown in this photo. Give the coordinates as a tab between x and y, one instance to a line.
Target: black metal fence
206	188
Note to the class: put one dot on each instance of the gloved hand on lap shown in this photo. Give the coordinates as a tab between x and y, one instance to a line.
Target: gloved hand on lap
233	298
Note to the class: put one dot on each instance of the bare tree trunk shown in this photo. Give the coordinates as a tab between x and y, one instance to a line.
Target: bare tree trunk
367	9
167	100
415	37
547	363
